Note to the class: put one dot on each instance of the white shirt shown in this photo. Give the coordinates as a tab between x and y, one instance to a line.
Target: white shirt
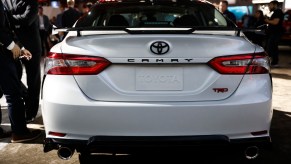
41	23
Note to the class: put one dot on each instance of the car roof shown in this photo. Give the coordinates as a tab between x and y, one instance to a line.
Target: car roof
153	2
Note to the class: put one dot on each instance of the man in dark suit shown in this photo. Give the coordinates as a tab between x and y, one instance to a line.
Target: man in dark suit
10	82
23	15
59	17
274	32
223	8
71	15
44	26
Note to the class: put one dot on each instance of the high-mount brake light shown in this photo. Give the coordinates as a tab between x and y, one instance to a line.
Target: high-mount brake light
67	64
257	63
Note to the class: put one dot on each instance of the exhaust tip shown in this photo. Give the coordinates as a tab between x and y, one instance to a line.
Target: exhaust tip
65	153
252	152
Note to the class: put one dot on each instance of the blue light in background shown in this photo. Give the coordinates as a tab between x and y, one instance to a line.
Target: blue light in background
240	11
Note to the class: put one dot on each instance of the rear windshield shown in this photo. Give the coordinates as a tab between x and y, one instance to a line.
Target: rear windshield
157	15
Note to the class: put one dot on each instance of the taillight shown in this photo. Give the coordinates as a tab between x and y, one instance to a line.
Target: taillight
64	64
241	64
58	134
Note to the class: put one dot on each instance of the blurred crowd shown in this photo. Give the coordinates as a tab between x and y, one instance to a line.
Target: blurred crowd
267	30
68	15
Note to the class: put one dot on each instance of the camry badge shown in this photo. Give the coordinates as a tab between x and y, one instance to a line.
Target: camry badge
159	47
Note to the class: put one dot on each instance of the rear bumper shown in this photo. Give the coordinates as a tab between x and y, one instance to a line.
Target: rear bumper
134	144
66	110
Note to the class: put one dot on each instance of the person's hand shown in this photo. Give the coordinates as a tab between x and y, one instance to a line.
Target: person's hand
266	20
25	54
16	51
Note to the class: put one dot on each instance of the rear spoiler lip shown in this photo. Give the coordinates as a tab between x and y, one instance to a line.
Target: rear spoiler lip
148	30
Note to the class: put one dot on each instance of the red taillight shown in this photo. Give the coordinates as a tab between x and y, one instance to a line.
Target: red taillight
241	64
63	64
57	134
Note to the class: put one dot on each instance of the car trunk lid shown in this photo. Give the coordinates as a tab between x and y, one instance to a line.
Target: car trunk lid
137	73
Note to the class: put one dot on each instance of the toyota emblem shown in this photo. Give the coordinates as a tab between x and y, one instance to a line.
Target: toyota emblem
160	47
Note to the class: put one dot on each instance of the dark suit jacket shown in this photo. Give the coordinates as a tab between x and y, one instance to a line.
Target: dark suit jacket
24	17
46	23
6	37
230	16
59	20
69	17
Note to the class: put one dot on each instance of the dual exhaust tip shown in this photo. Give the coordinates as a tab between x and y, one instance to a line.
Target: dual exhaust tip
65	153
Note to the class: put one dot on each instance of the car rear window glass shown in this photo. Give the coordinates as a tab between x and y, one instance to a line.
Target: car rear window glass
148	15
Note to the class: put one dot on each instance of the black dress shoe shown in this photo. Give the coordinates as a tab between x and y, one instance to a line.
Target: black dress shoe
26	137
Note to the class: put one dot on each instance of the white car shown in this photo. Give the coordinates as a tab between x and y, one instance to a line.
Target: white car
131	75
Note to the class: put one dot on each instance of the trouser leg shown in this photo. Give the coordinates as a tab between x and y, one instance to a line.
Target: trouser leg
10	84
272	48
33	83
44	42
